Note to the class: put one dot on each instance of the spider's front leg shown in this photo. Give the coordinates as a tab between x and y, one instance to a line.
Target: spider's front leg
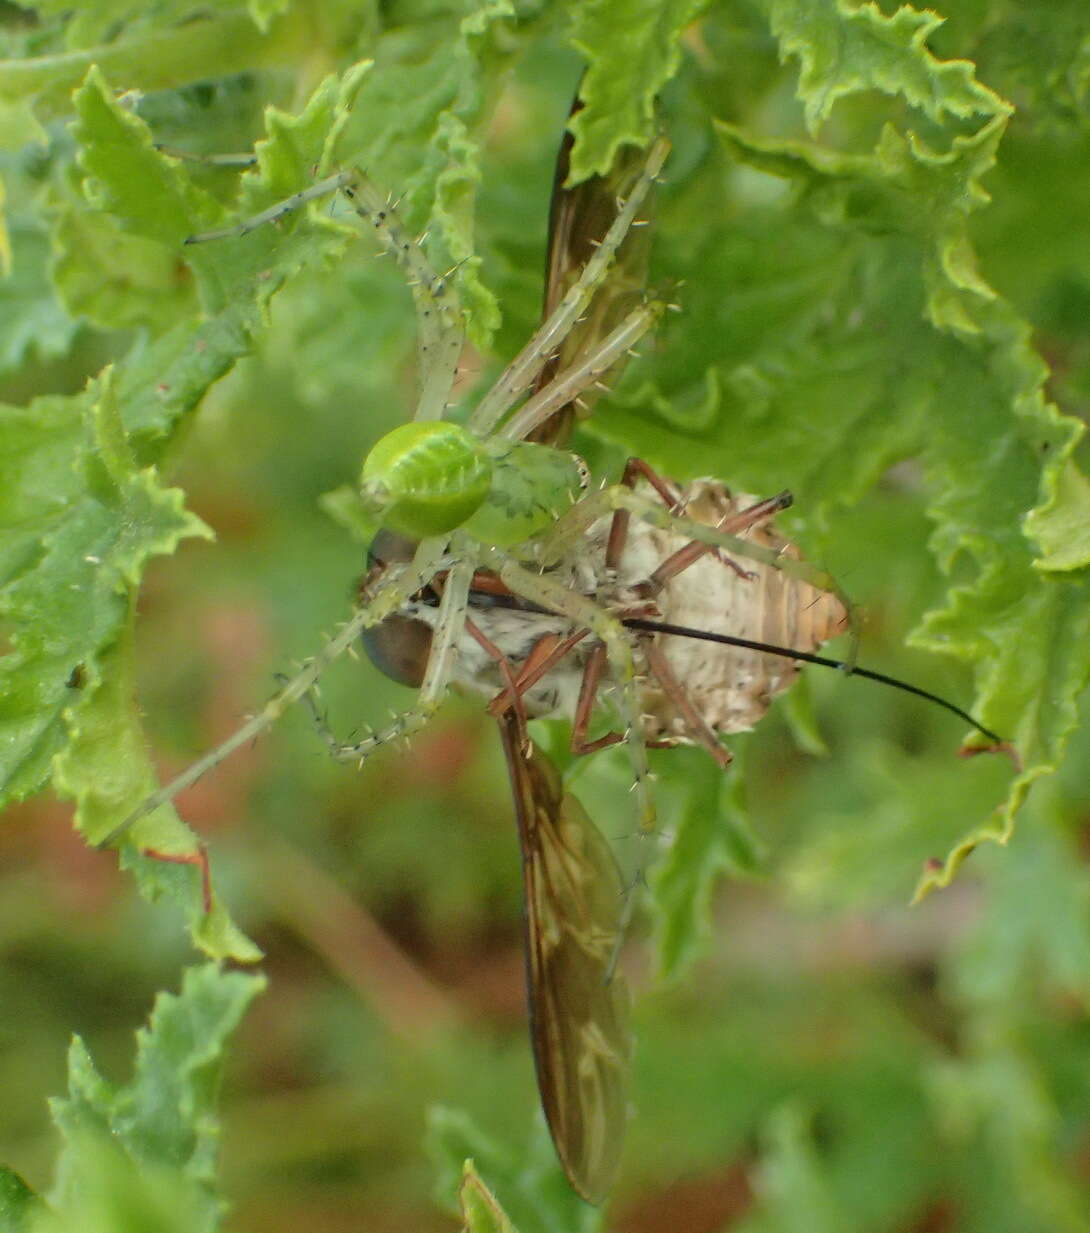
523	370
440	321
395	590
446	632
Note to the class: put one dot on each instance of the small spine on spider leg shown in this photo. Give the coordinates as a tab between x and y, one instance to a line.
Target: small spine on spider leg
573	381
379	214
402	727
524	368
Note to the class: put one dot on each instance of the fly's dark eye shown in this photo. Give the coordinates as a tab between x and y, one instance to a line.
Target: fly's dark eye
399	649
388	548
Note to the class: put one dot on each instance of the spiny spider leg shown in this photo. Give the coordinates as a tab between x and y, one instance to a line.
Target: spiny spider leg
566	387
321	188
452	618
678	562
755	516
519	375
440	328
397	587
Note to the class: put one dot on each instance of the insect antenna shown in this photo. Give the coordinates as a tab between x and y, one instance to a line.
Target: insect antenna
807	657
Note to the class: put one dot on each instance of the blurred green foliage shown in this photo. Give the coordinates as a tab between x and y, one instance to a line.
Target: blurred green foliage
859	323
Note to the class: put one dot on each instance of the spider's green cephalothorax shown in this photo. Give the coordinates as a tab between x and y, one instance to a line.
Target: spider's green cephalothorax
428	478
532	485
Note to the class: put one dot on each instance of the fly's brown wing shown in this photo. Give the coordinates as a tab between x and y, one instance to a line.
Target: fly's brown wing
578	219
578	1004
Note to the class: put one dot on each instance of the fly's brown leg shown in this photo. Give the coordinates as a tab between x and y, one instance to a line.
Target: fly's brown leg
695	724
634	469
680	561
588	692
545	654
511	694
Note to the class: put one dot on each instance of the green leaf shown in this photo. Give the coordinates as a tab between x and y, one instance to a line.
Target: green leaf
534	1195
1061	527
858	323
632	50
37	84
33	325
480	1209
845	49
795	1195
18	1203
146	1150
81	523
818	407
703	811
996	1101
1034	927
82	520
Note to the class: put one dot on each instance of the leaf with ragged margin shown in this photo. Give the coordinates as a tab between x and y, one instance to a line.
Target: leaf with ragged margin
18	1203
534	1194
796	394
158	1133
151	197
845	49
73	548
81	520
480	1208
632	50
1061	527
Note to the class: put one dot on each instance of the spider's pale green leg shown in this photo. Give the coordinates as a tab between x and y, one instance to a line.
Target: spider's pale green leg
248	159
448	628
321	188
520	374
440	329
569	384
396	588
556	597
571	527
